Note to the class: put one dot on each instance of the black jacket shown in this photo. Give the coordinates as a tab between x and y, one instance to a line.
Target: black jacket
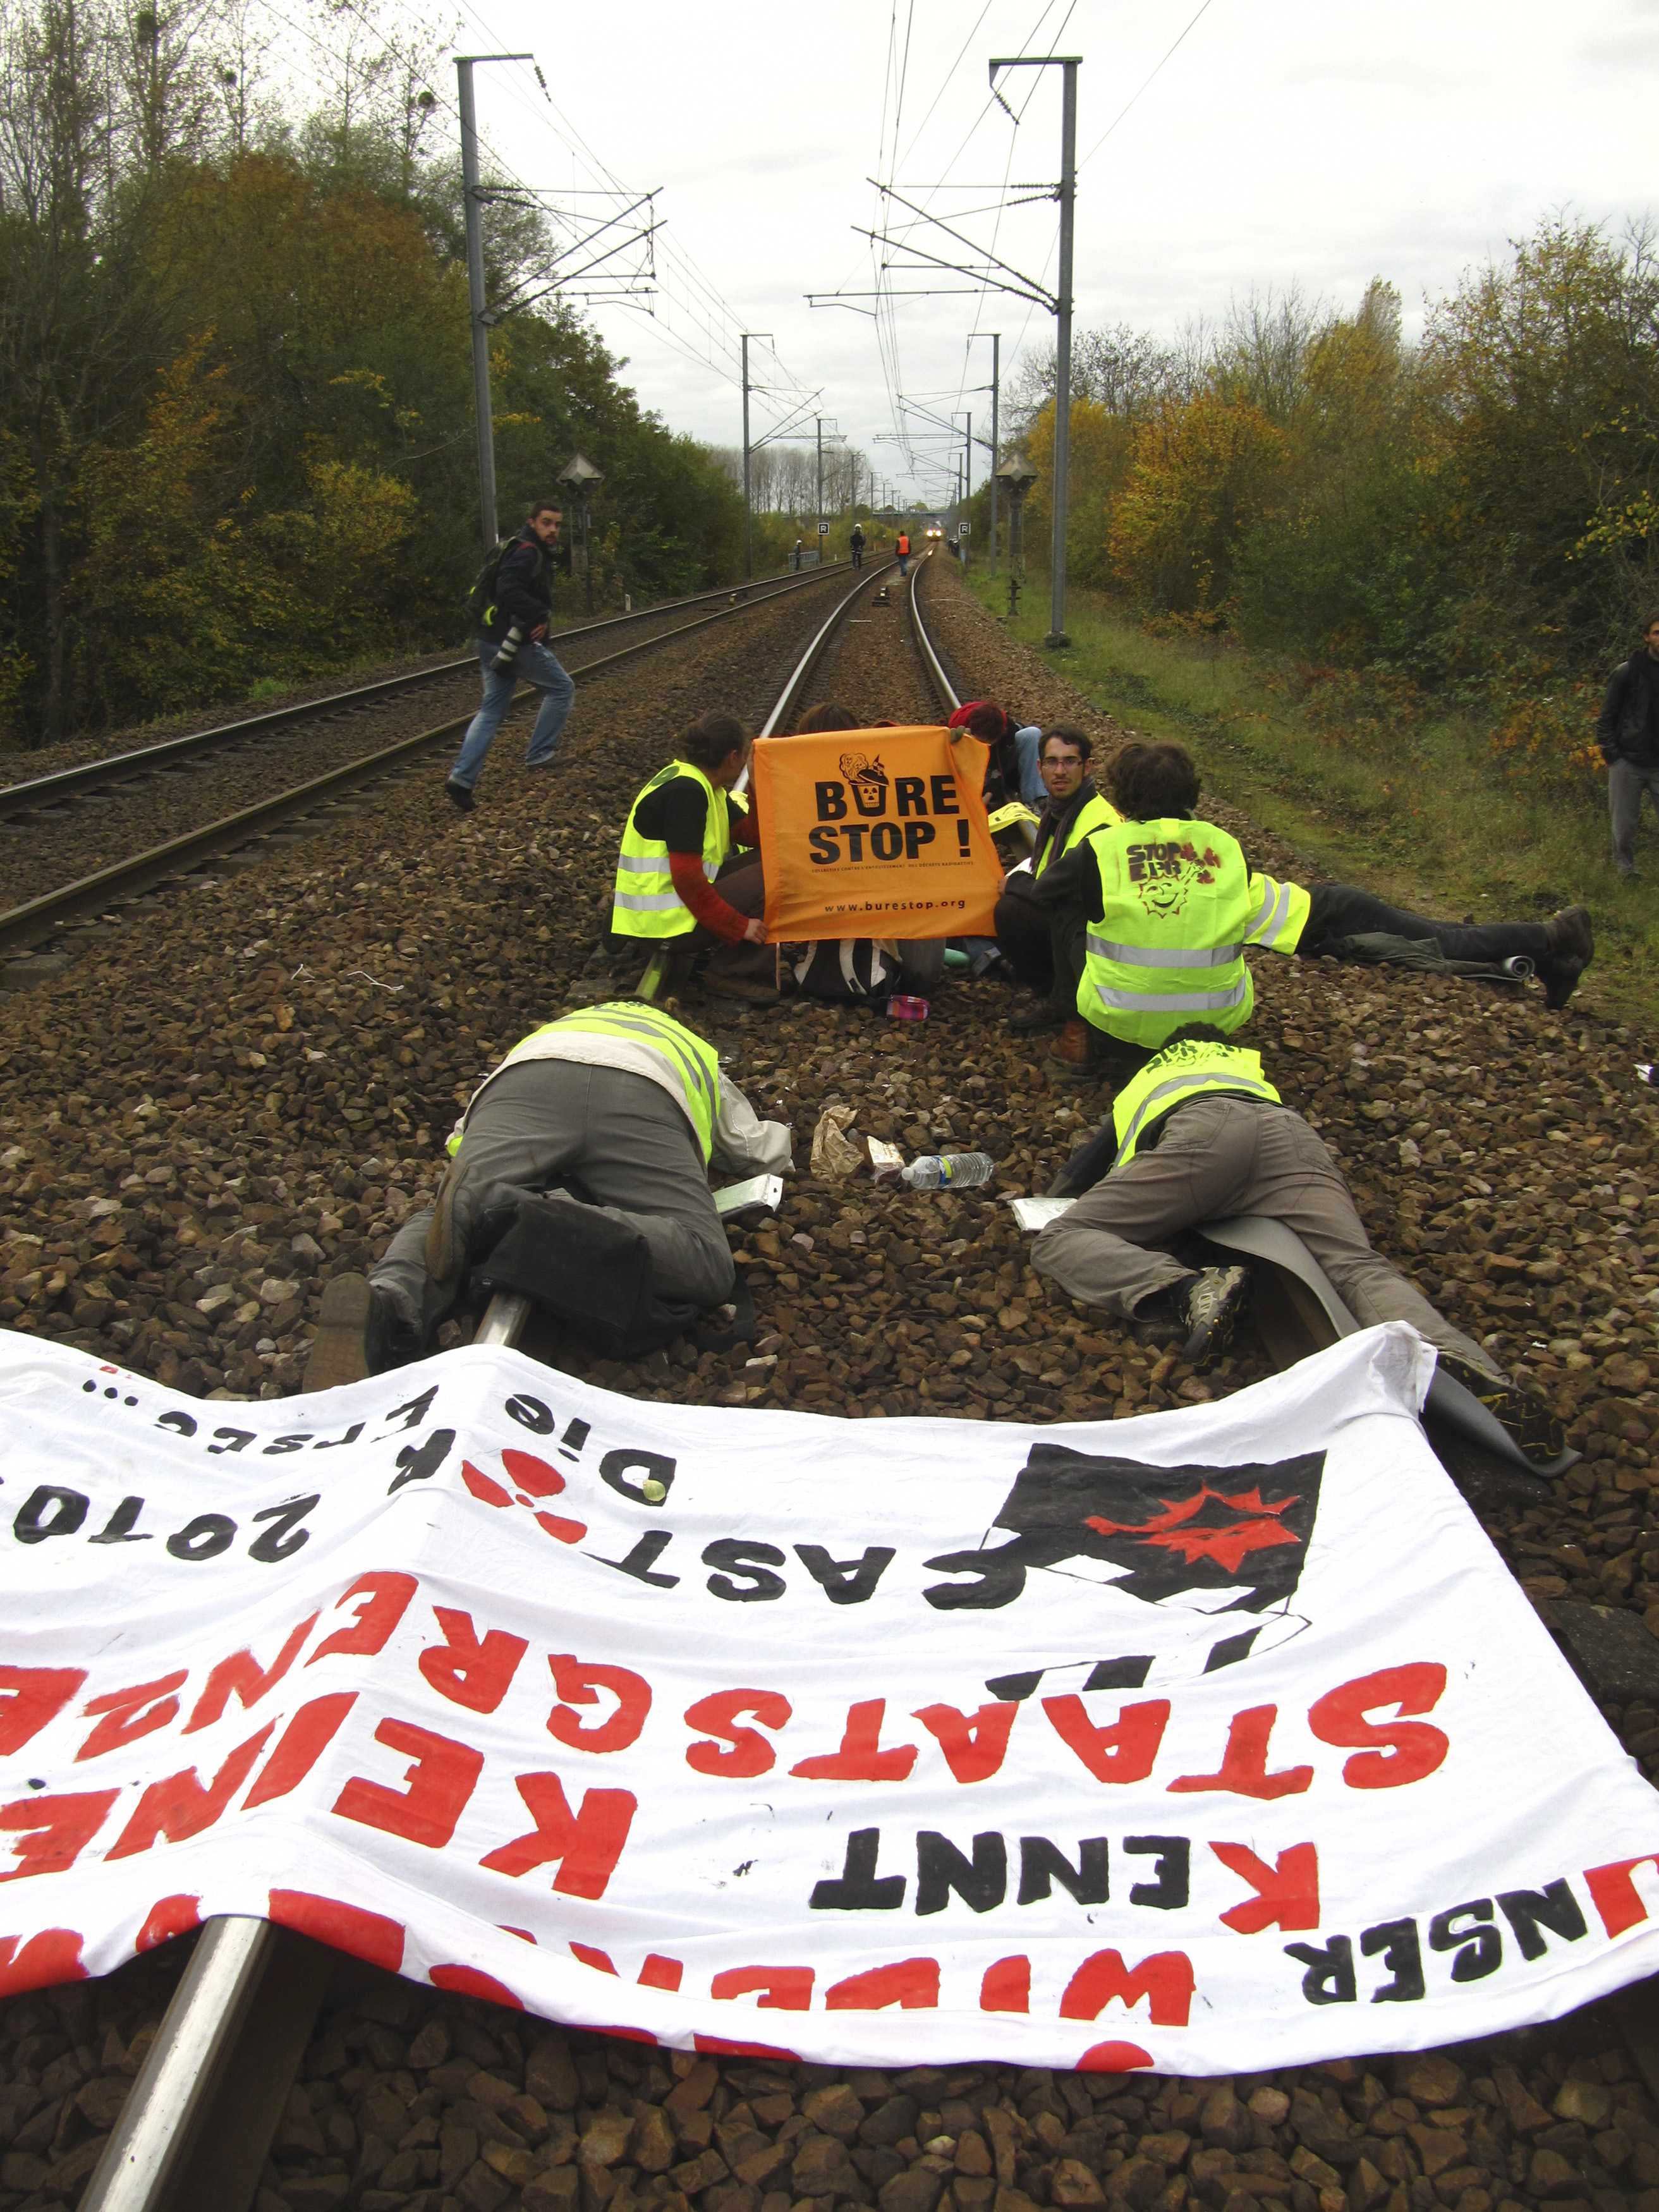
1054	824
1625	730
524	587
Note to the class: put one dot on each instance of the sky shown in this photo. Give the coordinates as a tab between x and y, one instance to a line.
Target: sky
1313	143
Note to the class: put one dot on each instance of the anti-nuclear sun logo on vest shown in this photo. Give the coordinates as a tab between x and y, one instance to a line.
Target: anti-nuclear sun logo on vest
1163	873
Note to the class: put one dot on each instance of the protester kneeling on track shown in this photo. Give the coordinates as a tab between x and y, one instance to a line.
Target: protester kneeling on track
1013	771
580	1174
513	604
676	846
1199	1134
1175	905
1045	943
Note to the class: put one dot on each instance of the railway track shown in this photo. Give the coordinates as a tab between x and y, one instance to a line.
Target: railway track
826	1365
37	921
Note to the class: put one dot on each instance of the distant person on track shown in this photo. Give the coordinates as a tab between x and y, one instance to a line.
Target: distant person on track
513	625
795	557
1628	733
1175	905
855	546
612	1116
1044	945
1013	770
901	547
1200	1133
677	845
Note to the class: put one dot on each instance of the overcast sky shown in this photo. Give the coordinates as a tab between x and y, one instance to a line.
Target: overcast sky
1316	143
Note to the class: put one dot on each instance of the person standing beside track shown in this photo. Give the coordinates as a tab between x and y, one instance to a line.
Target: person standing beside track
1628	734
1175	906
855	546
510	645
612	1116
676	845
1200	1133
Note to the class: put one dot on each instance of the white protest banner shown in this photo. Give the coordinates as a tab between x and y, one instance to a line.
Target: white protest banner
1213	1739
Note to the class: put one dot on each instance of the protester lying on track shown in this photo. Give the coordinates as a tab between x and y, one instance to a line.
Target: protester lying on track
611	1118
1045	943
1200	1133
676	847
1174	905
1011	772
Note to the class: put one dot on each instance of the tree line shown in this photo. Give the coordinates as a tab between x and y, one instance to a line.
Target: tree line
236	440
1473	518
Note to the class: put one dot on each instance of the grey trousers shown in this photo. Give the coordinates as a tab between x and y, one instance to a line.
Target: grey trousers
617	1140
1625	784
1221	1156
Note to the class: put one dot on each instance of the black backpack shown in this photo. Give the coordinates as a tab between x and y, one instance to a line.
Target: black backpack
481	599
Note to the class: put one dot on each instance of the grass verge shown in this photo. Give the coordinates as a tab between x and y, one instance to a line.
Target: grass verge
1417	811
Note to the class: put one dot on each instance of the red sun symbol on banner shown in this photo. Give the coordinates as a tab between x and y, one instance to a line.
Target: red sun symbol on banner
532	1478
1228	1543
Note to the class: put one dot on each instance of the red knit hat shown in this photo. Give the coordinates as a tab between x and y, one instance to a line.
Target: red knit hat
960	719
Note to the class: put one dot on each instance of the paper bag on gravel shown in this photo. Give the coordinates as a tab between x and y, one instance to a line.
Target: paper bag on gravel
835	1154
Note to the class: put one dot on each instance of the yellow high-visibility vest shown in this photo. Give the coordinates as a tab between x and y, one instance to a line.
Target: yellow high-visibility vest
645	903
688	1059
1180	1073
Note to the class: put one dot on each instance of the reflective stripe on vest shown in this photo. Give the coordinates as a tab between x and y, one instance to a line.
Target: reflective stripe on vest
1174	912
1280	918
693	1063
1184	1072
644	903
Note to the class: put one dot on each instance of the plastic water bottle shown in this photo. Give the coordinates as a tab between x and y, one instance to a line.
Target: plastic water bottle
953	1170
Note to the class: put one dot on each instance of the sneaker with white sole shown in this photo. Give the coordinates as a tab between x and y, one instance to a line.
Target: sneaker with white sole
1210	1305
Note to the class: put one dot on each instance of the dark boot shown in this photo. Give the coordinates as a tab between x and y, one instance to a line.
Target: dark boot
1074	1057
1569	948
359	1333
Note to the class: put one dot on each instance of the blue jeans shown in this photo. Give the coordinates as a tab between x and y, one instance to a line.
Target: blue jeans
904	564
1032	788
535	665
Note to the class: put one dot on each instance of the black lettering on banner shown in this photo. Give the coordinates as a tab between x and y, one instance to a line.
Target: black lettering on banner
1330	1976
417	1463
284	1537
886	840
858	1888
1171	1885
1394	1941
998	1580
846	1582
831	801
981	1882
530	1414
1042	1863
944	794
183	1425
654	1466
1528	1911
280	1444
237	1440
67	1509
204	1538
415	1410
1479	1945
754	1562
328	1443
916	835
825	851
908	793
118	1528
644	1556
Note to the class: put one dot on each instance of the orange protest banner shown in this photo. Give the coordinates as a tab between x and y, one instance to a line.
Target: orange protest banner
875	833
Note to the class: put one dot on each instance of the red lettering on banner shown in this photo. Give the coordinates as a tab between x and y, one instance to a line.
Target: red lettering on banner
53	1831
1243	1770
383	1600
1113	2058
860	1757
974	1745
34	1962
242	1677
911	1983
469	1669
441	1777
182	1805
342	1927
1615	1896
1006	1986
579	1682
658	1972
299	1746
587	1843
774	1989
1164	1981
30	1696
167	1918
746	1754
131	1713
1286	1893
1125	1751
473	1982
1410	1749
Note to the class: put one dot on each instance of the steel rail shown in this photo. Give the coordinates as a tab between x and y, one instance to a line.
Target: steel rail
789	697
40	918
930	660
40	791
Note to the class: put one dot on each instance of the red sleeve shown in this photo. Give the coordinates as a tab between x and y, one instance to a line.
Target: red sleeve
746	823
696	892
